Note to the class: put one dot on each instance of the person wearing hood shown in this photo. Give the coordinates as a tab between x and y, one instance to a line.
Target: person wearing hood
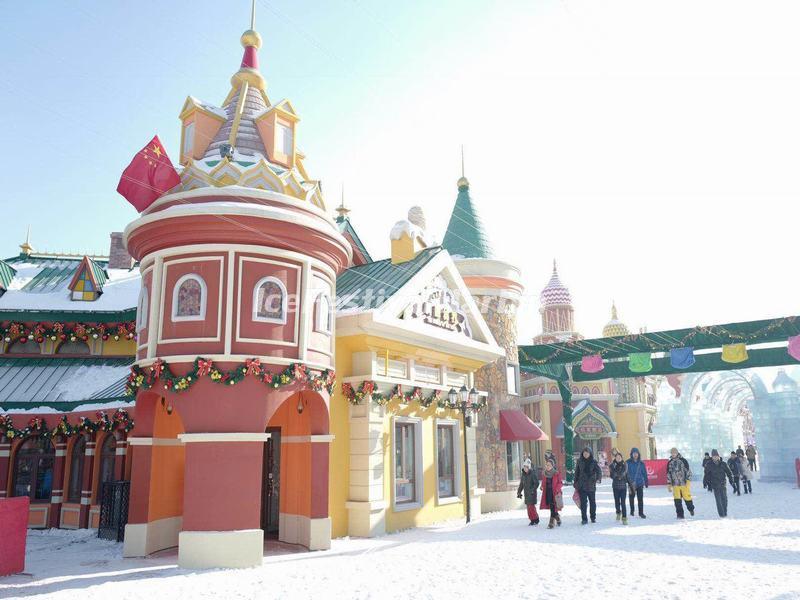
587	476
620	481
716	473
706	460
529	484
552	485
733	465
679	477
744	474
637	473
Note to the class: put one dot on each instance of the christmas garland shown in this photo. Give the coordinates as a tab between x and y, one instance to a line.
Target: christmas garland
119	421
39	332
367	390
142	378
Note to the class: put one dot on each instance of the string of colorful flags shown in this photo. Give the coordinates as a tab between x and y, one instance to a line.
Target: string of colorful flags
682	358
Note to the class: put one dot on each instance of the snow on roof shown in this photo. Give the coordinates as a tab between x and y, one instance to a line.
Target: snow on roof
209	107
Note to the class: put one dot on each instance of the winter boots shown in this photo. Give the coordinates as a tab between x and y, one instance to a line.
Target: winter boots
619	516
624	520
558	519
552	523
534	521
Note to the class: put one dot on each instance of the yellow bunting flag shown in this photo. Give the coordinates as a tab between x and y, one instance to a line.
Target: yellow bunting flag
734	353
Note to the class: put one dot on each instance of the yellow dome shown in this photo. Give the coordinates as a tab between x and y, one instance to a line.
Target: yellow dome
615	327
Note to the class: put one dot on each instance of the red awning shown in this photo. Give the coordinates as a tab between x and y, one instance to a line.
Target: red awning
515	426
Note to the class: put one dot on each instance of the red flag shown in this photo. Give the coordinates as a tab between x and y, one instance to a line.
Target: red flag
149	176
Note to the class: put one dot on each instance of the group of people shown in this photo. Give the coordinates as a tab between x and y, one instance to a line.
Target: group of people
629	478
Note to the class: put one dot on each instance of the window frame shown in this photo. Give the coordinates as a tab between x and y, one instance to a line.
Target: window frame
453	425
281	131
203	298
142	308
513	478
80	463
284	301
187	141
34	458
105	456
318	316
515	368
416	426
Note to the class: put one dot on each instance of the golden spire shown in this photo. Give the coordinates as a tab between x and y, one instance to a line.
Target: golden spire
248	71
26	248
462	181
342	211
614	311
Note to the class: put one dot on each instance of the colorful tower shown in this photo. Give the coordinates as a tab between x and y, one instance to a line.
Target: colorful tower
558	323
238	264
497	288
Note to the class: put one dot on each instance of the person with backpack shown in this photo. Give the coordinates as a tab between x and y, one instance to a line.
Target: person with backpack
620	481
637	473
587	476
734	466
679	477
716	472
552	485
529	485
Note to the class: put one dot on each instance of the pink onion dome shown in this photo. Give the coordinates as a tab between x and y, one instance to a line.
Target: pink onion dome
555	293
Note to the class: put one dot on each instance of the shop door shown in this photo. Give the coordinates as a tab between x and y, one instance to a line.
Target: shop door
271	484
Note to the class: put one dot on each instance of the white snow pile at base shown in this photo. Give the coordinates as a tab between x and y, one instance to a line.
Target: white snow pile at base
753	554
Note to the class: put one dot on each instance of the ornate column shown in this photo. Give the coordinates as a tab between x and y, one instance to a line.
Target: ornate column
86	484
57	496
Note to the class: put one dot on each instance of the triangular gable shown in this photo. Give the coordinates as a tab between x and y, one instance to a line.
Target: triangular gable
88	280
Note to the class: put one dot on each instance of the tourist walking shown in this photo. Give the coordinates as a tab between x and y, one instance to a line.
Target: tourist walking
716	472
735	466
551	492
637	474
529	485
706	460
745	476
587	476
679	477
620	481
750	453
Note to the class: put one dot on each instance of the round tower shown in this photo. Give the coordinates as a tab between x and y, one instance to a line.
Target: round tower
235	356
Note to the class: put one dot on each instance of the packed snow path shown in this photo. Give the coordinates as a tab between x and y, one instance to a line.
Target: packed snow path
754	554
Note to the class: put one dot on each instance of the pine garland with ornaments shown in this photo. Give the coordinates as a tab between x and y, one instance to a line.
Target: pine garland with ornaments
12	332
367	390
119	421
147	377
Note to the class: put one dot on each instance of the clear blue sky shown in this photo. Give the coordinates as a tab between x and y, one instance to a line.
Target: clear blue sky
650	146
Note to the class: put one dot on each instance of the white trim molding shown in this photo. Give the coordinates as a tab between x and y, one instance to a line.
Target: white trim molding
188	438
149	441
284	300
220	549
203	298
299	439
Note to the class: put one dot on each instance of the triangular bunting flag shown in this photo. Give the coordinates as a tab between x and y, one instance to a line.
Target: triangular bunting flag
734	353
640	362
681	358
592	364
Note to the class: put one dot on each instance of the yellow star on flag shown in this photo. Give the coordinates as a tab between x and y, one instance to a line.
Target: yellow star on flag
157	150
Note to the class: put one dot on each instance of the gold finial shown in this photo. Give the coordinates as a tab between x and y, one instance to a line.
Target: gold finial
253	15
26	248
251	37
342	210
462	181
614	311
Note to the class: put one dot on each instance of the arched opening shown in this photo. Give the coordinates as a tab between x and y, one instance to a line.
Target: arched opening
76	464
33	469
24	347
74	348
108	455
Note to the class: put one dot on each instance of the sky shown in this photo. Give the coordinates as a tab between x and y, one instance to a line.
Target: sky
651	147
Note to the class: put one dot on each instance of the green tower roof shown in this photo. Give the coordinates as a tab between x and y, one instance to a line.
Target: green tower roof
465	235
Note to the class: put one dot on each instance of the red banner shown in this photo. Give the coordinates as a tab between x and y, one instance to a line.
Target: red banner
656	471
797	468
13	532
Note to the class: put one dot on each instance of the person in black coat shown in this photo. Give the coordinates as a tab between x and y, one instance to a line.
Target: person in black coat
587	476
620	481
706	460
529	485
733	465
716	474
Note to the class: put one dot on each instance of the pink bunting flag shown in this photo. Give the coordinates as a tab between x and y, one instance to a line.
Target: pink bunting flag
794	347
592	364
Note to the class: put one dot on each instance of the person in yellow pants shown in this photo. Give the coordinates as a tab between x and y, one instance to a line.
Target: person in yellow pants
679	477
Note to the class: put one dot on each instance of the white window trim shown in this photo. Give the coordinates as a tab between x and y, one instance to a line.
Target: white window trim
142	308
187	143
457	442
284	301
515	478
418	471
203	298
318	317
516	378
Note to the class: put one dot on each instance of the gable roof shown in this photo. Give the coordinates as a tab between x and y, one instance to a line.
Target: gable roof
7	273
365	287
348	231
96	273
465	236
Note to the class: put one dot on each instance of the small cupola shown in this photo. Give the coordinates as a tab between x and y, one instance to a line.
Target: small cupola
408	236
87	282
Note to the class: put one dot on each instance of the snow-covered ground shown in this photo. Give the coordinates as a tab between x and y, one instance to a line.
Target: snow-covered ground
753	554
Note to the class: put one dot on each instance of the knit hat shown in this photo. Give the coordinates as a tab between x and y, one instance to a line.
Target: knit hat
714	452
550	461
526	464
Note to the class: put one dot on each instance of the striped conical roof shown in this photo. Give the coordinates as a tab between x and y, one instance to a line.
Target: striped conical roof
555	292
465	236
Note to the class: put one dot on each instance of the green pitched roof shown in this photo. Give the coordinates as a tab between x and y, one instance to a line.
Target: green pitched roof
100	275
365	287
465	235
346	229
6	274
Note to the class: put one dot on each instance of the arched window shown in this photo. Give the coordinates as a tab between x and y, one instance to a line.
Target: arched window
76	461
76	347
269	301
141	308
323	317
189	299
33	469
108	454
28	347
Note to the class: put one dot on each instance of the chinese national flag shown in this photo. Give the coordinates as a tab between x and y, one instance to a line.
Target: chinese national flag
149	176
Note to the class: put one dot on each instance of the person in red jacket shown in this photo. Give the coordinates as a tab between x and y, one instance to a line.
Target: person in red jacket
551	489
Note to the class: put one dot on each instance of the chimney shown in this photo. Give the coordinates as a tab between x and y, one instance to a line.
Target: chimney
408	236
118	257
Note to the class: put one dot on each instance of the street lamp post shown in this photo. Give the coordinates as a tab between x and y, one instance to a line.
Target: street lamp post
464	400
